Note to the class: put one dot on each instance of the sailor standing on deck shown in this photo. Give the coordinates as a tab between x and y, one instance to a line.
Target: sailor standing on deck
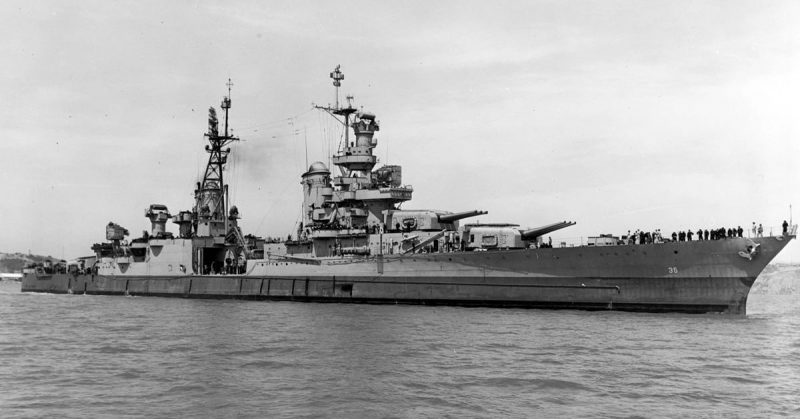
785	227
760	231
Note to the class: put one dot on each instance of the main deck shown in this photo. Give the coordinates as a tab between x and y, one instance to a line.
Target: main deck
693	277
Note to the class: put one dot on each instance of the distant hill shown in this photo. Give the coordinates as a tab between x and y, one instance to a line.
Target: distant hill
14	262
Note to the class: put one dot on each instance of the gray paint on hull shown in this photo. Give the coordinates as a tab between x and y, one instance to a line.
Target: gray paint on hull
710	277
655	295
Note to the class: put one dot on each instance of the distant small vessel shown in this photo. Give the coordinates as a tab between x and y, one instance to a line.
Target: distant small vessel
356	245
10	277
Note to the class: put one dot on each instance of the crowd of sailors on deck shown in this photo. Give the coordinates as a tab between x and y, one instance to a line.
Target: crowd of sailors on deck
646	237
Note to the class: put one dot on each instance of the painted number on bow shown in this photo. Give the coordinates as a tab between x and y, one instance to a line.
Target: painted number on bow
672	269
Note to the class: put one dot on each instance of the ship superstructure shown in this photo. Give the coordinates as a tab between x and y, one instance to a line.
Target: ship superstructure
356	244
356	209
209	239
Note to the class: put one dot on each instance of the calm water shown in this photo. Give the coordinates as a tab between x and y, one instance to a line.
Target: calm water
91	356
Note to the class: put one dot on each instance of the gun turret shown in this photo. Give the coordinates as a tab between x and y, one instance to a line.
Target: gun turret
449	218
540	231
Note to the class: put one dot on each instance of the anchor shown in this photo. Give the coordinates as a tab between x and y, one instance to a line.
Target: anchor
751	250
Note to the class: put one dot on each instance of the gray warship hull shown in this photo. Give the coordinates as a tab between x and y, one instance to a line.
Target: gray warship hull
692	277
354	243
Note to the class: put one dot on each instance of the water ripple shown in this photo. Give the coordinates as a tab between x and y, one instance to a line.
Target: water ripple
98	356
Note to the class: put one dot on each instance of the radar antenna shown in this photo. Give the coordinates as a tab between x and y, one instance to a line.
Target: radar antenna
345	111
226	104
337	77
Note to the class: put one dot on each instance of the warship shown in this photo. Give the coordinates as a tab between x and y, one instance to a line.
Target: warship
355	244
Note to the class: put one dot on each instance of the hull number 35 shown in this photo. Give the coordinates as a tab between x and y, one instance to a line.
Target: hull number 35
672	269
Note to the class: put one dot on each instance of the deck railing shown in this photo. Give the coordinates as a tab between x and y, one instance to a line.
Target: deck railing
767	231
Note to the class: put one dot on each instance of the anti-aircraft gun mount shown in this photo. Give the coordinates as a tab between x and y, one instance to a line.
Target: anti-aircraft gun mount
115	234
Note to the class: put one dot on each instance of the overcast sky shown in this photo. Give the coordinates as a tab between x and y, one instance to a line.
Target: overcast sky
616	114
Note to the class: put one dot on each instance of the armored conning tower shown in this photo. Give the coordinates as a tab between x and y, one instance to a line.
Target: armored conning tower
353	208
355	198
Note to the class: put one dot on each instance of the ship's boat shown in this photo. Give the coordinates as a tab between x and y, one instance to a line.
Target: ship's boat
355	244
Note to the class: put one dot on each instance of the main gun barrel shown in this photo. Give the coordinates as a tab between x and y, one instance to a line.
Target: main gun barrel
540	231
449	218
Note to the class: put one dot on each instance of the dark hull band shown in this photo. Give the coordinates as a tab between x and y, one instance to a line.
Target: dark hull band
639	295
715	279
549	305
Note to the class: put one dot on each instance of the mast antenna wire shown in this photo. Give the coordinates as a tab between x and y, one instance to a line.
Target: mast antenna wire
305	140
277	122
298	222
